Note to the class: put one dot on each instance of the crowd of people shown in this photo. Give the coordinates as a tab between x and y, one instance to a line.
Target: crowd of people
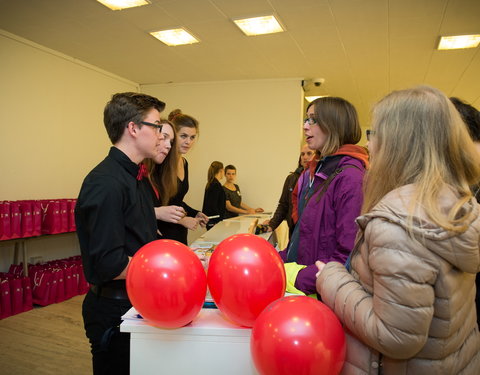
386	235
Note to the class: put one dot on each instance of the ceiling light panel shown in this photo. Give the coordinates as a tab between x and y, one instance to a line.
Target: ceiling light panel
174	37
259	25
123	4
459	41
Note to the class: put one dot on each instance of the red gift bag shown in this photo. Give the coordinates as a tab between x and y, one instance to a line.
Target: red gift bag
4	220
36	218
83	285
52	295
59	280
16	269
15	220
27	294
51	217
71	280
71	215
41	278
26	213
64	216
16	295
5	301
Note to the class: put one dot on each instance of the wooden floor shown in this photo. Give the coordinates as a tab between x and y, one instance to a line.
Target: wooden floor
45	341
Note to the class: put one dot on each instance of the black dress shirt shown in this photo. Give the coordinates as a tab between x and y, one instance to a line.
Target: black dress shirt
114	217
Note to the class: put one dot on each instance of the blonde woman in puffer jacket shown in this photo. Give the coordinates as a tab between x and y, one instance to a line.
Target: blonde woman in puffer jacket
406	296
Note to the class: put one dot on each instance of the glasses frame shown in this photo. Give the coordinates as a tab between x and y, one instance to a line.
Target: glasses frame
369	133
156	126
310	120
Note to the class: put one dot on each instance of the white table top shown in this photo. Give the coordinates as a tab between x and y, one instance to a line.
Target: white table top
229	227
207	322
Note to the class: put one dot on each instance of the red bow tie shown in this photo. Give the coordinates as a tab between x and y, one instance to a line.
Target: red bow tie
142	172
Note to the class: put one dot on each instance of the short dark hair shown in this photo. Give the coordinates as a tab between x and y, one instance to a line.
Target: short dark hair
470	116
231	167
125	107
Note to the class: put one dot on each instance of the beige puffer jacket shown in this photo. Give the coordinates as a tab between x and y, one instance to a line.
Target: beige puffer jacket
408	305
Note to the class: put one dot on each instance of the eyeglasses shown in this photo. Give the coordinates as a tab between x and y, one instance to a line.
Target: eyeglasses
310	120
370	133
156	126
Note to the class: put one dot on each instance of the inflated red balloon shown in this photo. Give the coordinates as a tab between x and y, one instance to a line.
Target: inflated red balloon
245	275
166	283
298	335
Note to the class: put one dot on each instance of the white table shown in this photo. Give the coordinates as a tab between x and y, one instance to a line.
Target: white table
210	345
229	227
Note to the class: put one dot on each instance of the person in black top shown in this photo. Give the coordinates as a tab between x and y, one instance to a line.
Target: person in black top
284	208
214	197
114	216
162	174
186	128
471	117
234	205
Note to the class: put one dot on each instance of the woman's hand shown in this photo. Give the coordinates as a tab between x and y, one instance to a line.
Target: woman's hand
202	219
250	211
189	222
170	214
320	266
259	209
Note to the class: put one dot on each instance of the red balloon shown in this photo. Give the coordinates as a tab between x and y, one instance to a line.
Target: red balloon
298	335
245	275
166	283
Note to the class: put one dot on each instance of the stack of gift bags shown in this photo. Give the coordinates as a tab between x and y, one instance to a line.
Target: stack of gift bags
30	218
47	283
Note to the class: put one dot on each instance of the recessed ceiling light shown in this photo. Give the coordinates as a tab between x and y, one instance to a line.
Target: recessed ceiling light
123	4
174	37
312	98
259	25
459	41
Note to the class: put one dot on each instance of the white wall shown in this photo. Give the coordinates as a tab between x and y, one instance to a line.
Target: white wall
51	116
52	134
254	125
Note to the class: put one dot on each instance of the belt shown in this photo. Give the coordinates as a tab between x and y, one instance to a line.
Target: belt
109	292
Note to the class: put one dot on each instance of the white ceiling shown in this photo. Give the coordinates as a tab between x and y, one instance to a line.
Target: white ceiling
363	48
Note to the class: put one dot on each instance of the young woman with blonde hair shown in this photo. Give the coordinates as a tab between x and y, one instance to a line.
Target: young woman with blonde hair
406	297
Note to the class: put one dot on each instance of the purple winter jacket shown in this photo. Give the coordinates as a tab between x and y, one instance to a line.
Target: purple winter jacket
327	227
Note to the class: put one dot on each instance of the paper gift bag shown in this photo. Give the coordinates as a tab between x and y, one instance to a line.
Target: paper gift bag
15	220
70	274
26	214
41	277
64	216
59	280
51	218
4	220
37	218
71	217
16	295
5	301
27	294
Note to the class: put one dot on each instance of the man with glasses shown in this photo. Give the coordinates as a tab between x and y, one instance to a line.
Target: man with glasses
115	217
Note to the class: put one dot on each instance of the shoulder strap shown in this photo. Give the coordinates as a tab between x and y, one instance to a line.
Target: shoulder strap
329	180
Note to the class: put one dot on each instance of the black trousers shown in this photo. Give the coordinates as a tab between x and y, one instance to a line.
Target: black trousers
110	348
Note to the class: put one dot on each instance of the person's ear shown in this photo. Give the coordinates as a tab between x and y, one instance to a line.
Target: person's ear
132	128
